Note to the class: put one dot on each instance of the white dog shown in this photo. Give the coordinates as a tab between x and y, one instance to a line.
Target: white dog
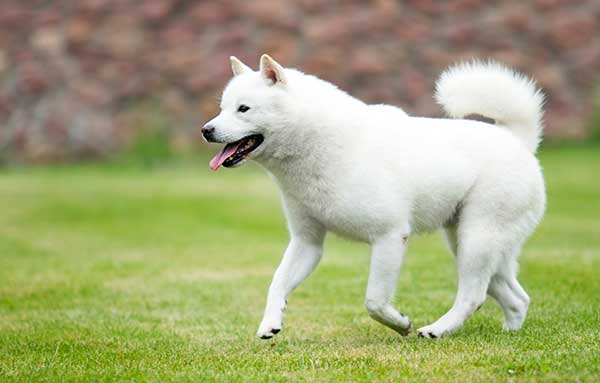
375	174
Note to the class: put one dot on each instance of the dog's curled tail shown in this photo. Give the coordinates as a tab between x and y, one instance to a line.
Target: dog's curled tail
494	91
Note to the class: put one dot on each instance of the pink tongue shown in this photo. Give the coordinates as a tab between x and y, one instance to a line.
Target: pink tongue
223	155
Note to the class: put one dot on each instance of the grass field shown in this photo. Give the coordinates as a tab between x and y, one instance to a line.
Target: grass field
112	273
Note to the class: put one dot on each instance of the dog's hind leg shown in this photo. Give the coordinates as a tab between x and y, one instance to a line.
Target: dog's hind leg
477	260
451	235
386	262
509	294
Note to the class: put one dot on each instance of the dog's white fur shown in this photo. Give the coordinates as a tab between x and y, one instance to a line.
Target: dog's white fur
375	174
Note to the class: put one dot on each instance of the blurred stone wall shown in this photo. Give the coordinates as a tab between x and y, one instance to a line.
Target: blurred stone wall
76	77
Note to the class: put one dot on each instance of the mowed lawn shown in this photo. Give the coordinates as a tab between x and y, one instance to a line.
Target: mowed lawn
124	274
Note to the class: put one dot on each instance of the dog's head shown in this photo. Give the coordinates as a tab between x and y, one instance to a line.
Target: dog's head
253	109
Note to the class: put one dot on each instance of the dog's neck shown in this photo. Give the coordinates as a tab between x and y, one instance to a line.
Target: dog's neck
302	153
318	134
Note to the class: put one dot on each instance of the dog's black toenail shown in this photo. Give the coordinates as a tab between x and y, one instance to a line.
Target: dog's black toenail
421	335
275	330
432	335
266	336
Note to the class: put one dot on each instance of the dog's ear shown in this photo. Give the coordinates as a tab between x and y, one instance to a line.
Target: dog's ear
238	67
271	70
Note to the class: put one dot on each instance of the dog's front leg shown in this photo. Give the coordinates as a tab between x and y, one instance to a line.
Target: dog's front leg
386	261
300	259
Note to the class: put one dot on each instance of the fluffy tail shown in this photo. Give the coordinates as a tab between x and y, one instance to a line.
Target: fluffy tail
496	92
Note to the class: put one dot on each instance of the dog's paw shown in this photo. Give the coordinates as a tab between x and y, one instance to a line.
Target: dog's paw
406	330
403	328
268	329
429	332
267	334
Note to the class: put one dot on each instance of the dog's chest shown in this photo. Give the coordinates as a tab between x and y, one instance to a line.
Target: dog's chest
338	207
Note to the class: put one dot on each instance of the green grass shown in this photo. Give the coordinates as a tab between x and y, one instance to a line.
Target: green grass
125	274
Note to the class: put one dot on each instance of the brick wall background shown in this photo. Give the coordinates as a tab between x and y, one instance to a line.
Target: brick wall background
78	78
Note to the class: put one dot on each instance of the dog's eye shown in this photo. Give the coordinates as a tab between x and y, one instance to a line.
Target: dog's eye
243	108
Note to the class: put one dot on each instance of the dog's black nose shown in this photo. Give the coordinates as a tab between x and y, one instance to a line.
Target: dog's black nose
207	131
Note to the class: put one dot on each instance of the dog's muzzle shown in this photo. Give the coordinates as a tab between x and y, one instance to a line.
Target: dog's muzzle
208	132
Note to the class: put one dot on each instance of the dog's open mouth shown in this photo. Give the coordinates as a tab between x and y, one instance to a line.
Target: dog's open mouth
236	152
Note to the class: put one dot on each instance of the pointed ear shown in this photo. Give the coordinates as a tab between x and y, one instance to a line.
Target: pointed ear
238	67
271	70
